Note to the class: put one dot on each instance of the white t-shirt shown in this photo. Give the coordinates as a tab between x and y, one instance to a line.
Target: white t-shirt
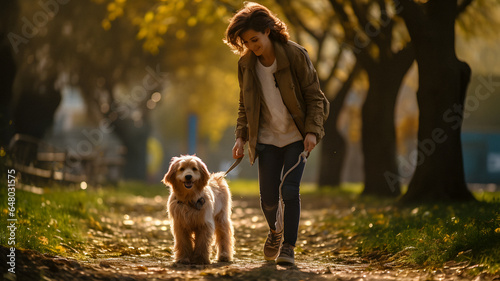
276	124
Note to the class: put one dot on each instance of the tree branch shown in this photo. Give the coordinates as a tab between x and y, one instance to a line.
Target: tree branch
365	25
350	34
361	16
386	23
406	56
336	65
336	106
296	20
463	6
413	16
339	9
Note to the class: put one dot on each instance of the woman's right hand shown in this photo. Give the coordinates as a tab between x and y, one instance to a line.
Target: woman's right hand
239	148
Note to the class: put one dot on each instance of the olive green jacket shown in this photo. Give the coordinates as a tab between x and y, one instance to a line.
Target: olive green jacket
299	87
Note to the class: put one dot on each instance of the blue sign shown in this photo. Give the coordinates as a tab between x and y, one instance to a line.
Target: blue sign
481	152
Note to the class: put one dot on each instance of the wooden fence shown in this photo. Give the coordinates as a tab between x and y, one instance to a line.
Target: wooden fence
40	163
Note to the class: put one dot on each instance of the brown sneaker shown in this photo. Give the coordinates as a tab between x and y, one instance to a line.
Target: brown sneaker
286	256
272	245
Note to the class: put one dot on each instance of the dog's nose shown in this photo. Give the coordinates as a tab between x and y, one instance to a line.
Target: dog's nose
188	177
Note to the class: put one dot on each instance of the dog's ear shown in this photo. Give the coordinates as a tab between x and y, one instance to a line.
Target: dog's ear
170	175
204	173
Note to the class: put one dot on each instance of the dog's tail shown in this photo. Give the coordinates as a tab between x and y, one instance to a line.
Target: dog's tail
219	178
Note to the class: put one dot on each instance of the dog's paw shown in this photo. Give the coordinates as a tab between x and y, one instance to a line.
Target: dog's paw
183	261
201	260
224	259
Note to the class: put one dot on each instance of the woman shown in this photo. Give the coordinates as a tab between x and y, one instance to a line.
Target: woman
281	114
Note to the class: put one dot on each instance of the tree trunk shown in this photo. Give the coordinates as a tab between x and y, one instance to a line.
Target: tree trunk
135	140
34	112
7	76
333	150
333	147
378	115
9	12
439	175
379	134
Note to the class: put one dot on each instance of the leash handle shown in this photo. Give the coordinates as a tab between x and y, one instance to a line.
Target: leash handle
305	155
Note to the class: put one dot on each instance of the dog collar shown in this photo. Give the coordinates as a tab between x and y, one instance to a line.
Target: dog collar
195	205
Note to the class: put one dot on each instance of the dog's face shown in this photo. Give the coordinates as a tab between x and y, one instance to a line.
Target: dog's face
186	173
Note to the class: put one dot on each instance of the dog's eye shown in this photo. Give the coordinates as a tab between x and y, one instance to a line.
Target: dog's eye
195	169
181	169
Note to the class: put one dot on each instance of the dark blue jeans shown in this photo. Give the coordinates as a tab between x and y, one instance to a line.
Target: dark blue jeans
272	162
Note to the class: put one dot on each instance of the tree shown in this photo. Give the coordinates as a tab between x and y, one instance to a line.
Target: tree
9	11
315	25
181	42
369	29
443	81
333	149
119	54
66	49
186	37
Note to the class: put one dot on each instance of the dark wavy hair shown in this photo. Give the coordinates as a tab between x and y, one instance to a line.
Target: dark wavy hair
257	17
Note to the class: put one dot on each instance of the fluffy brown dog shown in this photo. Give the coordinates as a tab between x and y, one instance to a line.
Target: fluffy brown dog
199	207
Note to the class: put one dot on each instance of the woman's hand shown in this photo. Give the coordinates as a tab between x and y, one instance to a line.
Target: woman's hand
310	142
238	148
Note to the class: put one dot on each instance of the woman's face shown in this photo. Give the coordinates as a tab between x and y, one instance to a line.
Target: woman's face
256	41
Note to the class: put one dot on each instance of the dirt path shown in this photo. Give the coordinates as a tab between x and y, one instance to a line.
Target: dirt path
133	242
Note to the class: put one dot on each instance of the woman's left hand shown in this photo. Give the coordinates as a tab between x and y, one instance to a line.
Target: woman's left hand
310	142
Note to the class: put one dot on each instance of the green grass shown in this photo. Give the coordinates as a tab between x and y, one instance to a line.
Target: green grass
431	235
129	188
57	221
53	222
251	187
243	187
